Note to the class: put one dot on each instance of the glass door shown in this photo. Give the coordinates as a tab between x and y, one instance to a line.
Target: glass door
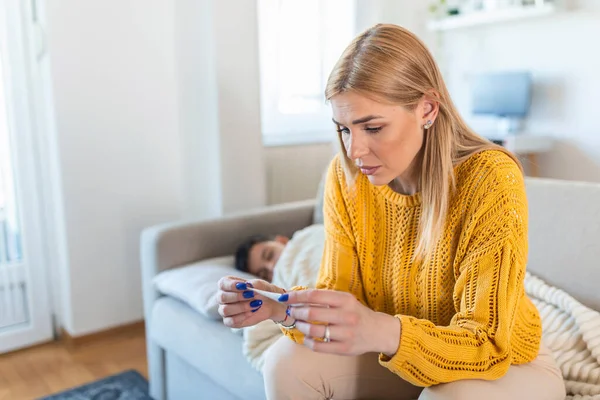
25	314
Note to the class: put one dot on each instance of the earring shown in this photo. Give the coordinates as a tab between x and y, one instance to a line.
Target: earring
428	124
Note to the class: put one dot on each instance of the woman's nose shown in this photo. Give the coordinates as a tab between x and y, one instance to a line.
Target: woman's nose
357	146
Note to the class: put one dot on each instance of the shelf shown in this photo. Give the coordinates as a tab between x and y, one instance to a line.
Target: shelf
477	18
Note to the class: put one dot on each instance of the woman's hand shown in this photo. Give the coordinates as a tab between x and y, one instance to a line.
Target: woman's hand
241	307
353	328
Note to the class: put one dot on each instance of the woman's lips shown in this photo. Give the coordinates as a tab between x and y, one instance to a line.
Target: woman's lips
368	170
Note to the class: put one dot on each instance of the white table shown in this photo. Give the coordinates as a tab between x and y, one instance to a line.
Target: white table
526	145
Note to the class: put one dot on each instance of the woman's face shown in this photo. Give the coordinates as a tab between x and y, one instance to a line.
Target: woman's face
383	140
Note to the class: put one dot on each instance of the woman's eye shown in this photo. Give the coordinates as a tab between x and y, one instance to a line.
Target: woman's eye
345	131
373	130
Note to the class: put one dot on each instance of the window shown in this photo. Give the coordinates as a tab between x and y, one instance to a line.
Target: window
299	43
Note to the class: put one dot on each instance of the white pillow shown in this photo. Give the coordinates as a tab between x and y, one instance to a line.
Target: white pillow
196	284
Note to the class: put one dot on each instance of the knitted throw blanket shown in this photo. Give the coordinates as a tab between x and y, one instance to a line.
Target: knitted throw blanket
572	332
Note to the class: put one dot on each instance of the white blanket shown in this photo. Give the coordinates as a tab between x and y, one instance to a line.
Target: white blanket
298	265
572	332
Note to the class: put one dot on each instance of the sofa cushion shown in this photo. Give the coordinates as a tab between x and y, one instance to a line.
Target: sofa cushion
207	345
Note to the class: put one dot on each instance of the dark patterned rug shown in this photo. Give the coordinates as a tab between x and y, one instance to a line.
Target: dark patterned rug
128	385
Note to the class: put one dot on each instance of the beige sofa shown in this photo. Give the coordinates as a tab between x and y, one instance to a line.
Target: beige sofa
191	357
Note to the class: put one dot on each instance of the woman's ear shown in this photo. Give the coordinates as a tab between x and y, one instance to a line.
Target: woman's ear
430	108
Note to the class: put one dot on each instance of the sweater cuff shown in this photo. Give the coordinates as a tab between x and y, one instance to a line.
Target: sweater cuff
406	349
294	334
298	288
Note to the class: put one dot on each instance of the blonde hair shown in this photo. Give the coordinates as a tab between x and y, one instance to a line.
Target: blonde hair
389	63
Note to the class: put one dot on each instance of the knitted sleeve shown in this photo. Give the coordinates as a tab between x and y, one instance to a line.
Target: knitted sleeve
340	264
489	285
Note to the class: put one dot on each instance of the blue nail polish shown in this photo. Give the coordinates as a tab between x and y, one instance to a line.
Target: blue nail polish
240	286
256	309
284	297
256	303
249	284
288	310
248	294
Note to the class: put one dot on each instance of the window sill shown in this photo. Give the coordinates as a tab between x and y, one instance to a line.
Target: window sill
298	139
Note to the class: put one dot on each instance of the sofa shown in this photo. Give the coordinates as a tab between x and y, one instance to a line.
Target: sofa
193	357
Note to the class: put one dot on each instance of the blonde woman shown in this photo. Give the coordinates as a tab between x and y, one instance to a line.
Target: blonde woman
420	291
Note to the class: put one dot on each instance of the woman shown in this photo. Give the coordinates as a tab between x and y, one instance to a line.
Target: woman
420	291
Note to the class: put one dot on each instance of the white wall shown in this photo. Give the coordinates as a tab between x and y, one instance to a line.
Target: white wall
197	92
219	106
560	52
113	76
243	173
409	14
157	118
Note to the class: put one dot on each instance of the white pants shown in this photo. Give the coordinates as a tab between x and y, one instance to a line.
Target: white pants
293	371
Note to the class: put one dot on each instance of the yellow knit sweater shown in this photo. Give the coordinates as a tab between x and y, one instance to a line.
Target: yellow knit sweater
464	314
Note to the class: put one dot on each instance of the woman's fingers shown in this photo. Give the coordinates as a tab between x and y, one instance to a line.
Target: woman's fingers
228	310
312	330
329	298
331	347
232	283
237	321
235	297
336	333
239	305
234	290
245	319
324	315
331	321
235	284
264	285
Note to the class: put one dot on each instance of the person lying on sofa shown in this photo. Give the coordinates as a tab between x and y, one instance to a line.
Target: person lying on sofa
281	260
258	255
420	290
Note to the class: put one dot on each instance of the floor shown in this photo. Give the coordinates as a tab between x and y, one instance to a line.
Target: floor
53	367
